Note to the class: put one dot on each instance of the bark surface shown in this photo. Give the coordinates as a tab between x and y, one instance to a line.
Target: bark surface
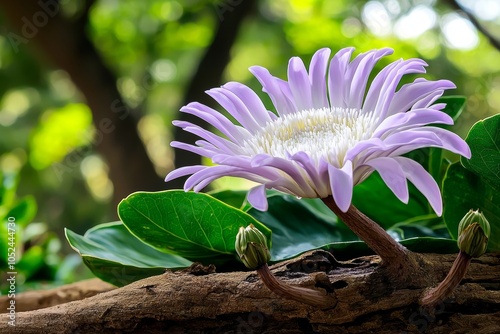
195	301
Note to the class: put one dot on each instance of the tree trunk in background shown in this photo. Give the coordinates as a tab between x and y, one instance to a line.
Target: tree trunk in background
231	15
64	44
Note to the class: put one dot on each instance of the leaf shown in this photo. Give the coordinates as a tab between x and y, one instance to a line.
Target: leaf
455	105
431	245
376	200
233	198
31	261
484	142
297	227
113	254
353	249
464	190
24	211
195	226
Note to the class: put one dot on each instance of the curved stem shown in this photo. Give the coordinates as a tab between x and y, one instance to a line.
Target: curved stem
451	281
304	295
389	250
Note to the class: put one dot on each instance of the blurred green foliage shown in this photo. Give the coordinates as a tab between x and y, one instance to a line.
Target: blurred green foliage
29	248
153	47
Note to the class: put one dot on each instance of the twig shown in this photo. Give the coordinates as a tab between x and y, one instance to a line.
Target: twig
493	41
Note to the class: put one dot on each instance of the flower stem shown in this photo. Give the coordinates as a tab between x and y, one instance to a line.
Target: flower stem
446	287
297	293
390	251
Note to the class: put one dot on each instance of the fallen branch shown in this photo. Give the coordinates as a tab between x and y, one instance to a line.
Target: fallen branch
37	299
238	302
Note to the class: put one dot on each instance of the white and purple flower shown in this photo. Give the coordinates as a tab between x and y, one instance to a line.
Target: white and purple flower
331	130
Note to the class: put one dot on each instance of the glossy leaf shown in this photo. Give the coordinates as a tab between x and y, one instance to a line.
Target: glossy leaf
464	190
455	105
113	254
233	198
195	226
297	227
353	249
484	142
376	200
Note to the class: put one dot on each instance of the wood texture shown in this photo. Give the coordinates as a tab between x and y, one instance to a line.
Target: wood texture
238	302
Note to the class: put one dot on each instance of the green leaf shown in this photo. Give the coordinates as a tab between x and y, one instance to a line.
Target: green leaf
233	198
353	249
116	256
455	105
297	227
376	200
484	142
31	261
195	226
24	211
464	190
431	245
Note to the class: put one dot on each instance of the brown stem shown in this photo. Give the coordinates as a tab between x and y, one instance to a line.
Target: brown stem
390	251
445	288
297	293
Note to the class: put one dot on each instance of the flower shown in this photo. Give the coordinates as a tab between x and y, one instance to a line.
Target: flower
331	130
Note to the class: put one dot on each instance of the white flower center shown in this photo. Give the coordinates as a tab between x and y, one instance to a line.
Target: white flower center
321	133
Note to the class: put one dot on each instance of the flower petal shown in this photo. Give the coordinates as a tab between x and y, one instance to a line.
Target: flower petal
271	86
183	171
317	76
291	168
423	181
393	176
383	87
411	119
216	119
257	197
202	151
251	100
341	185
210	137
360	73
420	92
318	175
445	139
229	101
299	83
202	178
336	73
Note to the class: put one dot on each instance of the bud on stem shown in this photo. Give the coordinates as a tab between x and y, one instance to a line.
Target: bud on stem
251	246
473	234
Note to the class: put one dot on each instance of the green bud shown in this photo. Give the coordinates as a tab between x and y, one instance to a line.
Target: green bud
251	246
473	234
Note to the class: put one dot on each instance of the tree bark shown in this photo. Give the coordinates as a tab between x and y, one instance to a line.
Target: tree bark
238	302
64	44
38	299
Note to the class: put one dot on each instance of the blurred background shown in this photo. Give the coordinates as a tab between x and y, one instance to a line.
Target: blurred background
88	89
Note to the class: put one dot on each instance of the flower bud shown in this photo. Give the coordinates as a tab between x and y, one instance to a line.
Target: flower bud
251	246
473	234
